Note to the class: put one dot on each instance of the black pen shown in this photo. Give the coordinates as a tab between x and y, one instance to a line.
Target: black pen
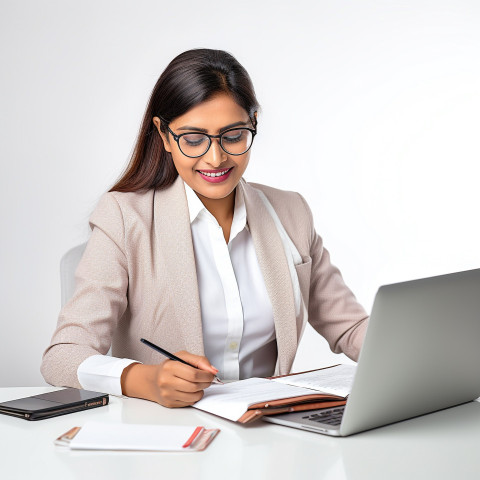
171	356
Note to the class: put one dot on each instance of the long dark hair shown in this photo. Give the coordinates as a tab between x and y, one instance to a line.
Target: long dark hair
190	78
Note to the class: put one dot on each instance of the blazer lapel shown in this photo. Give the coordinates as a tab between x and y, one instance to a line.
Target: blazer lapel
176	254
274	267
174	237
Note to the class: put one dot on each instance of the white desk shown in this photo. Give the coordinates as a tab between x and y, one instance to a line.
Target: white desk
442	445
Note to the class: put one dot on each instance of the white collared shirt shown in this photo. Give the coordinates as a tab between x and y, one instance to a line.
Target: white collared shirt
237	317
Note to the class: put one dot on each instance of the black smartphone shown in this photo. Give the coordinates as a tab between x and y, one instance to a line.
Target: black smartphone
53	404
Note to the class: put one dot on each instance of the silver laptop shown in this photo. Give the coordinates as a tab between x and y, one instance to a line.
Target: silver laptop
421	354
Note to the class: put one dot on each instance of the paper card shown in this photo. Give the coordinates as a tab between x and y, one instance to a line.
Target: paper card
124	436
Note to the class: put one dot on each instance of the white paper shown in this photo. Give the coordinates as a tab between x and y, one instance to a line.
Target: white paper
335	380
232	400
125	436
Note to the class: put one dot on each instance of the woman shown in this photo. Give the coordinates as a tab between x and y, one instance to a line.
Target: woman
187	254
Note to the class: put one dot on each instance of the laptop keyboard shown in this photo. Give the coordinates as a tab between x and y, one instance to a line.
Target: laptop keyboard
330	417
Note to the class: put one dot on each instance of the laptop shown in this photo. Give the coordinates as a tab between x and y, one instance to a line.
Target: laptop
421	354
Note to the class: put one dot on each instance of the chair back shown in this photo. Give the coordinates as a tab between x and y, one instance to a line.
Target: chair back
68	265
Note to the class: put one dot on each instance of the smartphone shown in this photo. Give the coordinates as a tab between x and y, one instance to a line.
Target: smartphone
53	404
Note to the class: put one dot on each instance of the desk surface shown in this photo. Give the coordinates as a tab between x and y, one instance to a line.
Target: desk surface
442	445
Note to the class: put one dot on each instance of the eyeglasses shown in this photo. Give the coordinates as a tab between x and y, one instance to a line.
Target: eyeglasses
234	141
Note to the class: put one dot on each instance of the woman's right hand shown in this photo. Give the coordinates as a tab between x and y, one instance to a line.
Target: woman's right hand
171	383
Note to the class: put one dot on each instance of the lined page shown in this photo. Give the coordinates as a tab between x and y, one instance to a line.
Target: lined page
334	380
232	400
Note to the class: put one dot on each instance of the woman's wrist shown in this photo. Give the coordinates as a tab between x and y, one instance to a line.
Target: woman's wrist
136	381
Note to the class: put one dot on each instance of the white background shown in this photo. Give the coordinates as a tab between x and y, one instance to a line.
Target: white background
370	109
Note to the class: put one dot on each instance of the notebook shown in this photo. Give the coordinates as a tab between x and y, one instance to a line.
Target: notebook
245	401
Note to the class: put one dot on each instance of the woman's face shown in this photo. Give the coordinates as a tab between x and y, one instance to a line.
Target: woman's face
213	117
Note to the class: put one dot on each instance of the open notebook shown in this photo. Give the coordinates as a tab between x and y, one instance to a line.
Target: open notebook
247	400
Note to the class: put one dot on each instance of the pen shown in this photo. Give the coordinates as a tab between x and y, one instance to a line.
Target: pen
171	356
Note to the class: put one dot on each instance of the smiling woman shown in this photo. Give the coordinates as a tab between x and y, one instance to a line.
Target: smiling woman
192	78
211	168
186	253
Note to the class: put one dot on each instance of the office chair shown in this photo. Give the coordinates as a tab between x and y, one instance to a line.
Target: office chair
68	265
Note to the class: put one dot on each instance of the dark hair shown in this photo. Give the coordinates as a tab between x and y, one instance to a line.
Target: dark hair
190	78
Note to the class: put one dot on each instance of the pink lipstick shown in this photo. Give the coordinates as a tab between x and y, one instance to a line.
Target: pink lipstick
215	176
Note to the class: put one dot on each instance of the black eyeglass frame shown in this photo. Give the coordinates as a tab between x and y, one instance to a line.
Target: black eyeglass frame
177	139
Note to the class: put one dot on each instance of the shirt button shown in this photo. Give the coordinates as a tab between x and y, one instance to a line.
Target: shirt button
233	345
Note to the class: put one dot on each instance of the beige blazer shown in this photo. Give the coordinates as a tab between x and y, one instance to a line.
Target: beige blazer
137	278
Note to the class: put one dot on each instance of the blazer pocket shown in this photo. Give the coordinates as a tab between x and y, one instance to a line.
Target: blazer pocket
304	272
